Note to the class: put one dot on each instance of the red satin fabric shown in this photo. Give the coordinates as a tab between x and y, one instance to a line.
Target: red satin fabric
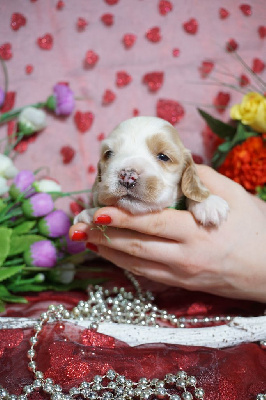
70	354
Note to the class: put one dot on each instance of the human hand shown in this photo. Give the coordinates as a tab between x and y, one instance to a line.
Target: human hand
172	248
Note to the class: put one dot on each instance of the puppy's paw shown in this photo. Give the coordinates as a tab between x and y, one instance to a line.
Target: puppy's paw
85	216
212	211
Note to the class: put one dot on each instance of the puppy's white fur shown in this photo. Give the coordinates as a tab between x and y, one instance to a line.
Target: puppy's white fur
144	167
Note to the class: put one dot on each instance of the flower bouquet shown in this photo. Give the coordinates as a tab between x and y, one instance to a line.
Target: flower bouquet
241	147
35	251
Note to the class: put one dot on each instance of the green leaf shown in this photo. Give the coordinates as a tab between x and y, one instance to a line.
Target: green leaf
2	306
221	129
221	154
5	235
5	295
261	192
3	205
20	243
225	147
242	134
7	272
25	227
218	158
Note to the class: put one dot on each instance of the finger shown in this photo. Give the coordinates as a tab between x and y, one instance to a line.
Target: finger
149	269
169	224
138	244
79	232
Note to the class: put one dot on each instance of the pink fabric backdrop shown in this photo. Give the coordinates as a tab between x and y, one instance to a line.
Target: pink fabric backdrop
182	82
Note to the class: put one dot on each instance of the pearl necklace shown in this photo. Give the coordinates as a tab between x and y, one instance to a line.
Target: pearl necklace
119	306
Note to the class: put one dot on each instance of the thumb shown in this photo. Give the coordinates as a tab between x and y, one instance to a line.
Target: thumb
217	183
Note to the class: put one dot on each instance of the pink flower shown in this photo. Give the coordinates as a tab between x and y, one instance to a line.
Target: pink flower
41	254
64	98
2	97
38	205
22	184
72	247
55	224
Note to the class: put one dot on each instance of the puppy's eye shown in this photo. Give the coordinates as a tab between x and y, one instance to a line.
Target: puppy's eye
108	154
163	157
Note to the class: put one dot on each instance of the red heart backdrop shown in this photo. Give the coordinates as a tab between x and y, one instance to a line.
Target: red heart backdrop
110	53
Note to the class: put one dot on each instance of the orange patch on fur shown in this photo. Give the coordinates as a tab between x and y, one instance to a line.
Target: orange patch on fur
157	144
152	189
191	185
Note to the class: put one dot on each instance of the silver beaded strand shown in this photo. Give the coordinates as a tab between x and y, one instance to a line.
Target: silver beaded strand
119	306
111	386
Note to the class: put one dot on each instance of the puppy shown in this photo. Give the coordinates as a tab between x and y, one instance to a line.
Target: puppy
144	167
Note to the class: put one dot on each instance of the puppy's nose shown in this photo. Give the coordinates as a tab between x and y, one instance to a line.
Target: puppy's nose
128	177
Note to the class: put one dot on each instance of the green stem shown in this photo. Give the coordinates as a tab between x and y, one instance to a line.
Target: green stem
66	194
12	205
219	83
13	224
253	74
9	137
40	169
25	281
16	261
78	269
10	147
5	73
7	116
15	213
250	85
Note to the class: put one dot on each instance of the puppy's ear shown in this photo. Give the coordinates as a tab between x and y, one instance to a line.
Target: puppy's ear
191	185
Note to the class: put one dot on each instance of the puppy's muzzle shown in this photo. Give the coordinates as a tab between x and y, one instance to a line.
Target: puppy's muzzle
128	177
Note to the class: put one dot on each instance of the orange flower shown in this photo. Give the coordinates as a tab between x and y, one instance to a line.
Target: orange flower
246	163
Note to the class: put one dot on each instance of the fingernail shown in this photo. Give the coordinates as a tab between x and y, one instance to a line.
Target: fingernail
92	247
79	236
103	219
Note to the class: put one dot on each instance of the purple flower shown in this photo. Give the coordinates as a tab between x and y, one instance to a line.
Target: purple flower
55	224
64	99
24	179
72	247
41	254
39	205
22	183
2	97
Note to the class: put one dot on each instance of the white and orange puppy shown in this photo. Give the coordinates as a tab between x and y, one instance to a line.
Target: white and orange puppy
144	167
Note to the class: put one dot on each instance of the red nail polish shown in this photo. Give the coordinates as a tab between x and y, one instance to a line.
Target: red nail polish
103	219
79	236
92	247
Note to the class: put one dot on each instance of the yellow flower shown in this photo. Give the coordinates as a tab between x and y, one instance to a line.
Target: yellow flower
252	111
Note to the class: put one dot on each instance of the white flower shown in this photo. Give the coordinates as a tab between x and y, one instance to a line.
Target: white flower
7	168
4	188
39	278
31	120
47	185
67	273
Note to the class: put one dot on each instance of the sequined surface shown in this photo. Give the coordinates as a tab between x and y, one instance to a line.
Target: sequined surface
70	354
170	110
46	41
83	120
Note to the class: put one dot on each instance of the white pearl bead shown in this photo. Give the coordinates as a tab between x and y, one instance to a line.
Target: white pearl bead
187	396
